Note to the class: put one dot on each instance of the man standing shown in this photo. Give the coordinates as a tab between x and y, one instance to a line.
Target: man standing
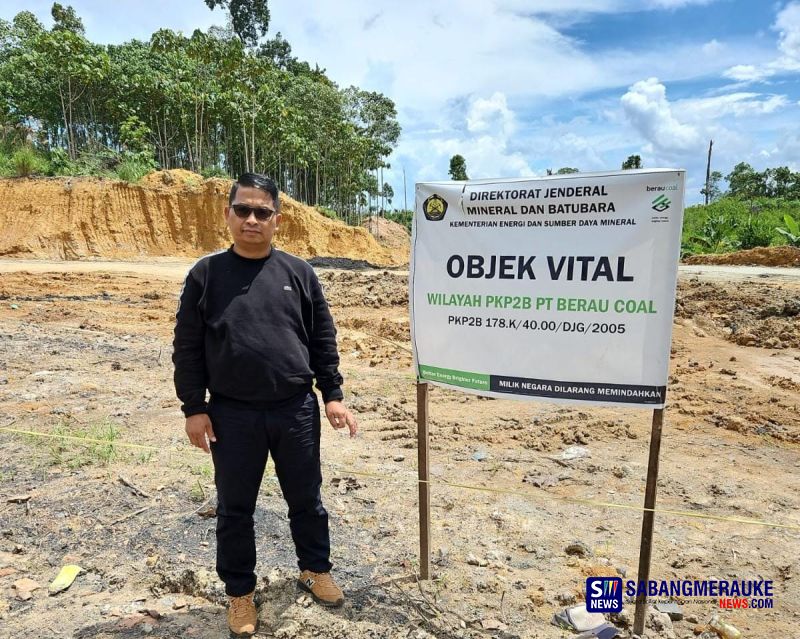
253	327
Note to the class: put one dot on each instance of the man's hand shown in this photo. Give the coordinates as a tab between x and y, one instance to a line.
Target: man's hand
197	428
339	417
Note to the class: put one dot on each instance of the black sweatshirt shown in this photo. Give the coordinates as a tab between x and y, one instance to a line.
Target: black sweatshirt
255	330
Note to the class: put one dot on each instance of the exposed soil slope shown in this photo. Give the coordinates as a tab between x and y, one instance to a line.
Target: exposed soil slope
170	213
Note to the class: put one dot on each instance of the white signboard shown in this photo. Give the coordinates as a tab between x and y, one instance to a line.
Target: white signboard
559	288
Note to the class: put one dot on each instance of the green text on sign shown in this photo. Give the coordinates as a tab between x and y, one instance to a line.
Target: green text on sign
456	378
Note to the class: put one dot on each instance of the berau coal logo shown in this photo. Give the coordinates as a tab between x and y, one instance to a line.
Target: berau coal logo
434	208
661	203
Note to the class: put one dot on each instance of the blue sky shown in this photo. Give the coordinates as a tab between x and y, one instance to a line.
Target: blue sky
520	86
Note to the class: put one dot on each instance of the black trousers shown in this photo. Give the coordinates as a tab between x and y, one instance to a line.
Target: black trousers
246	434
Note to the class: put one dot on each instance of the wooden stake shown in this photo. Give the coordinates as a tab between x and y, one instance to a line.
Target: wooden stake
646	546
424	484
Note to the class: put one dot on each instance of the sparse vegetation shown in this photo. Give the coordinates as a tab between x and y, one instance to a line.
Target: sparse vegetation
67	449
26	162
791	231
133	169
731	223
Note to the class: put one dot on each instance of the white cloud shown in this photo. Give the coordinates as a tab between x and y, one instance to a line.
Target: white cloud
787	24
712	47
646	107
593	6
747	73
492	113
433	52
746	127
676	4
786	151
487	156
482	134
530	7
740	104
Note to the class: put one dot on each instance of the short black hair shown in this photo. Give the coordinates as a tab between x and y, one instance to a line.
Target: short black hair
257	181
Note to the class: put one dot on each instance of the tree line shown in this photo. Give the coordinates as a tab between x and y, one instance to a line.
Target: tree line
747	183
220	102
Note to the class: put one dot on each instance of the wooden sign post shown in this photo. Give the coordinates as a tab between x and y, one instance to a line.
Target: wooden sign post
424	471
648	519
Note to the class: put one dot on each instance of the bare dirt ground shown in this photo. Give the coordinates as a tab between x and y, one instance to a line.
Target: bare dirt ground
86	353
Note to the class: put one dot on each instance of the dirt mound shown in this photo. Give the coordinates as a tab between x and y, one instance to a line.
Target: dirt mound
366	290
761	256
171	213
761	315
175	179
388	233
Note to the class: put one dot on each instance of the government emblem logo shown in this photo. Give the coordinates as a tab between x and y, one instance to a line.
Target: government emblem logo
434	208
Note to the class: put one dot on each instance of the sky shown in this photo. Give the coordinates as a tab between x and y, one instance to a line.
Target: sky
521	86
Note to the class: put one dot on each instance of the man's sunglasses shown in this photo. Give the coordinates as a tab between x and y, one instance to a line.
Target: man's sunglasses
262	214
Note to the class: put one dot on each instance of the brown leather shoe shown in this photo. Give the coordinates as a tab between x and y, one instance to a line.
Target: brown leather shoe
242	615
322	588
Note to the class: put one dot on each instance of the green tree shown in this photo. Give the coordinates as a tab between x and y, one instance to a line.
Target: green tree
782	182
65	19
632	162
458	168
745	182
279	52
250	18
56	79
388	192
713	191
566	170
208	102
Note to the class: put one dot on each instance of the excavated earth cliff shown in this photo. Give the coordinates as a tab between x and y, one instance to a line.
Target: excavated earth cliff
170	213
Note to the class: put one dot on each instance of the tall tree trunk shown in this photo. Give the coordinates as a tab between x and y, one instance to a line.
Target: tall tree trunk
66	123
708	172
316	186
253	136
69	126
189	147
196	132
244	138
166	142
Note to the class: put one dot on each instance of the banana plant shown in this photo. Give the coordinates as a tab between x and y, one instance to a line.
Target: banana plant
792	230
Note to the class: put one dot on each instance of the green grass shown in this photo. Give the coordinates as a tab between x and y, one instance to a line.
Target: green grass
88	163
26	161
204	470
730	224
401	217
214	172
197	494
6	168
133	169
328	212
72	453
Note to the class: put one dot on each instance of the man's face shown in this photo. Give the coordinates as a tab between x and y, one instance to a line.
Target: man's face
250	231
